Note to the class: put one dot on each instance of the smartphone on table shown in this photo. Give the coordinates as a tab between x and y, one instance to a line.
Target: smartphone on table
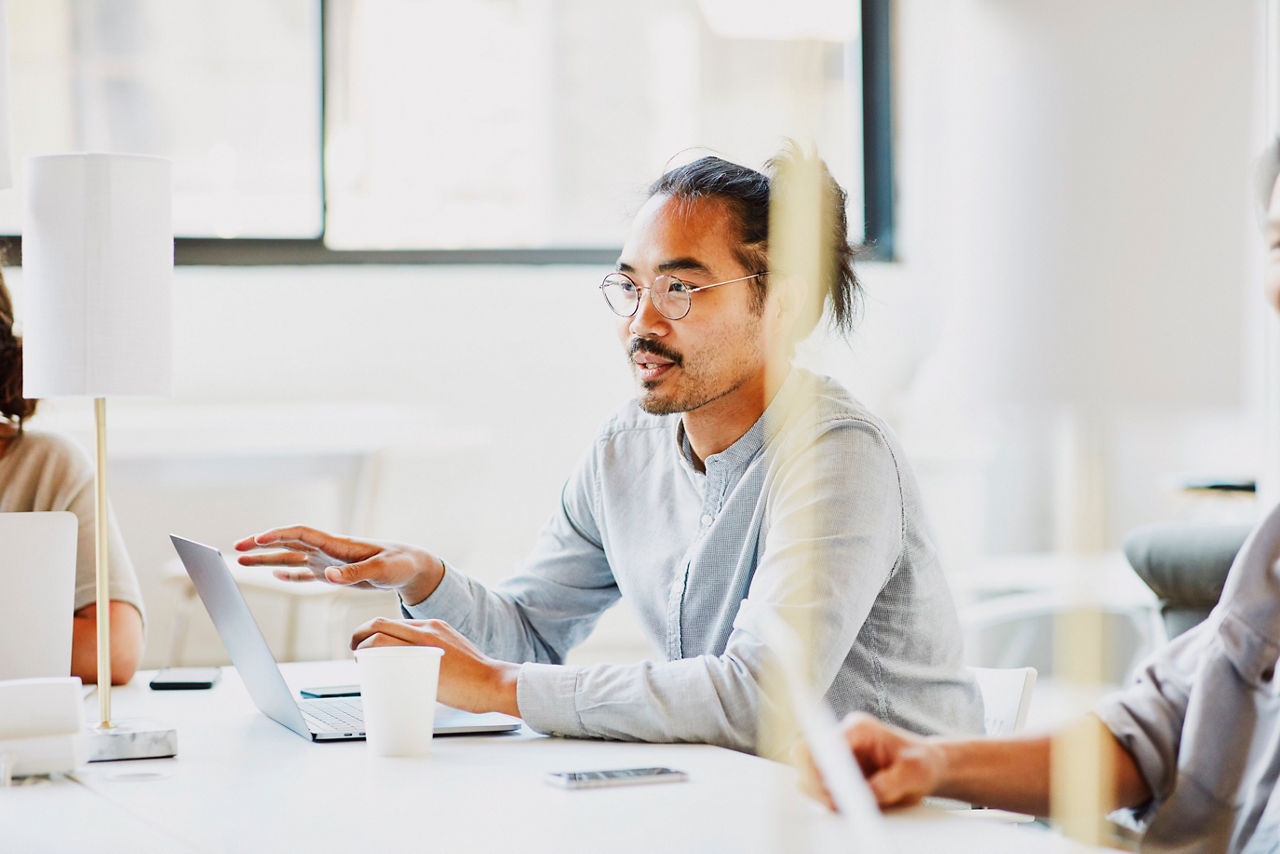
615	777
185	678
331	691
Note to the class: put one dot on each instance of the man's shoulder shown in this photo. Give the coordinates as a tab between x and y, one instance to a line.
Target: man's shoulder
833	406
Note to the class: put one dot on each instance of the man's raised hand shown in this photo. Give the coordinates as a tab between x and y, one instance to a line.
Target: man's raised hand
300	553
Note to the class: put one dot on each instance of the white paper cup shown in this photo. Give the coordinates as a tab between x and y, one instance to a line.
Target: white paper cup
398	691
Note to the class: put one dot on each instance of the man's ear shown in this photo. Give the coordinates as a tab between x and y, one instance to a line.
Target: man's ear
797	310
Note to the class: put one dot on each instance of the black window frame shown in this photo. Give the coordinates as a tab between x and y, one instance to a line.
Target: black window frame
878	196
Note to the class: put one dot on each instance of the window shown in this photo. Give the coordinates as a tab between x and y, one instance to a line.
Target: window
227	90
491	130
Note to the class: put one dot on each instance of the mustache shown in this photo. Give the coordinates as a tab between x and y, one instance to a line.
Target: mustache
648	345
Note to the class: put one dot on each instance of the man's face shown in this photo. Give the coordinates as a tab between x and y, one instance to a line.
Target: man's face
1271	278
717	351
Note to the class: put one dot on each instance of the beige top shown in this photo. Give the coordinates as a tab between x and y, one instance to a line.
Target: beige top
44	471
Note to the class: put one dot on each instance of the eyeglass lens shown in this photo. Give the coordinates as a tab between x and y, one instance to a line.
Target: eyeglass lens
623	296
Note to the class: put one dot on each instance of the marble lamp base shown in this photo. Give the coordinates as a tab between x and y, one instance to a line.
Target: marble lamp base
136	738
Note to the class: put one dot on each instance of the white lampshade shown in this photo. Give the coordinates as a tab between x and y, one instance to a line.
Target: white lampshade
97	256
6	156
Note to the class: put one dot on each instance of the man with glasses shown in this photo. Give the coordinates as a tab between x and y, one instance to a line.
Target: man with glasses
734	489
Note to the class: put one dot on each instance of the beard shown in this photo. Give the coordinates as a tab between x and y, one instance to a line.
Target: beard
692	399
697	391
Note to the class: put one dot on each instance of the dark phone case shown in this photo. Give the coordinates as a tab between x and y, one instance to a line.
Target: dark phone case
326	691
160	682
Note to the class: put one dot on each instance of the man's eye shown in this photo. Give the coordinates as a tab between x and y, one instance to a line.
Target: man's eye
625	286
678	287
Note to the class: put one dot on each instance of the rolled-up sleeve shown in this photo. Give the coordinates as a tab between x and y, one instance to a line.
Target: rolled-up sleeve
1147	717
555	601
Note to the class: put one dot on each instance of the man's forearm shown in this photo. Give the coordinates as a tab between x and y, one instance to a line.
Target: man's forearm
1014	774
1010	774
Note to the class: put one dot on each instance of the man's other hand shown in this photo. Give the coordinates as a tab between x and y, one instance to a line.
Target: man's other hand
306	554
469	679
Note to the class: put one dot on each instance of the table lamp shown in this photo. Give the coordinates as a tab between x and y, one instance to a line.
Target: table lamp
97	249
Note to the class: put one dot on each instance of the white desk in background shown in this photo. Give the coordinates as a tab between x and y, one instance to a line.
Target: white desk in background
241	782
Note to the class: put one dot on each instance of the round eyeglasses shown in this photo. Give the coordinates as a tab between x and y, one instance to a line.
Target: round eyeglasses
669	295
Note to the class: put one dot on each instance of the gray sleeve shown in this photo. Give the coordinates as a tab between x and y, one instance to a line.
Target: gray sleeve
552	604
1147	717
832	542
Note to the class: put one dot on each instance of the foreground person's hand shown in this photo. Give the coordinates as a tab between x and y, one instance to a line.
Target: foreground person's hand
900	768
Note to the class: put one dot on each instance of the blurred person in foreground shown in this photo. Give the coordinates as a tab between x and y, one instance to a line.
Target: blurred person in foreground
44	471
733	486
1194	743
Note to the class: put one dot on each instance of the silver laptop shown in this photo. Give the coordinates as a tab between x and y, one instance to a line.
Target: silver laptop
38	564
327	719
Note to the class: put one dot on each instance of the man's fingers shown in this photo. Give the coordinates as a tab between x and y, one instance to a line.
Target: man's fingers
297	537
352	573
409	632
294	574
379	639
273	559
887	786
901	783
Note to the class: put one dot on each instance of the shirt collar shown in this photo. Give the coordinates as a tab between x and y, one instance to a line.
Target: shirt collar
761	433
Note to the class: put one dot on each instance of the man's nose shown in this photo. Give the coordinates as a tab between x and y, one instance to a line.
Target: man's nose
648	321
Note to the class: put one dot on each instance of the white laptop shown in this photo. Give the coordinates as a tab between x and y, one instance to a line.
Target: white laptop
323	719
38	572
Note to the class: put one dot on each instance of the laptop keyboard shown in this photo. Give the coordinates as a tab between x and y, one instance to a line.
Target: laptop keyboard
334	714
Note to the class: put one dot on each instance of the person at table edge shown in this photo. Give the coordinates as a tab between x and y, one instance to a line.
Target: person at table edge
1192	746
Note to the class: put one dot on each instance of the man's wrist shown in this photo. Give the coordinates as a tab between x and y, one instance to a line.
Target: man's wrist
506	677
423	584
941	757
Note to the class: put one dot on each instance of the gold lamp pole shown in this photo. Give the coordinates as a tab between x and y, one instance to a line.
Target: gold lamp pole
102	565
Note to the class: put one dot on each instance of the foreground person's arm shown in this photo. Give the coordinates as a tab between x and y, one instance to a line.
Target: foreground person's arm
1011	774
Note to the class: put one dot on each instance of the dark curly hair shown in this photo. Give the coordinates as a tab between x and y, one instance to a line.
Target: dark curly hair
745	193
12	404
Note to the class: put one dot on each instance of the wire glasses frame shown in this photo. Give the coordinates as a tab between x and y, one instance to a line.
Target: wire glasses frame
670	296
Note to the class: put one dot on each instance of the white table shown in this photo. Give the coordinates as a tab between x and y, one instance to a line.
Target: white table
241	782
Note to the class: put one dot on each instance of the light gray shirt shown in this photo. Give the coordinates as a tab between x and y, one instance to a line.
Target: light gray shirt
1202	721
700	556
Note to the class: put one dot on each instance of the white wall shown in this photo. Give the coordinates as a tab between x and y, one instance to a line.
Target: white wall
1072	204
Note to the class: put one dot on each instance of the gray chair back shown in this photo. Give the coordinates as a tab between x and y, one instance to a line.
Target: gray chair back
1185	566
